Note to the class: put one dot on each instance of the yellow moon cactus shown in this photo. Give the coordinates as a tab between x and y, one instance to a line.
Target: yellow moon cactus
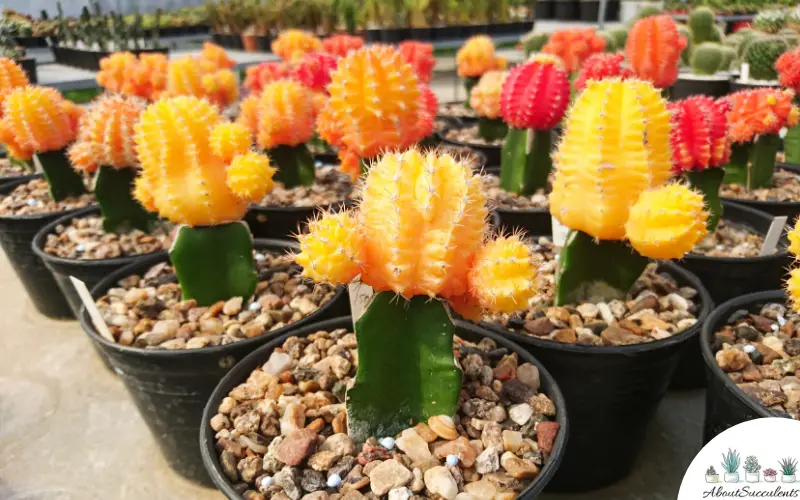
793	283
291	45
230	139
192	77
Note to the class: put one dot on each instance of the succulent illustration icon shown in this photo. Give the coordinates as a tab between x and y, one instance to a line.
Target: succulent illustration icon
730	464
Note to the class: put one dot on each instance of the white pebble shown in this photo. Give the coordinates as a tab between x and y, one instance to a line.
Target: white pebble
255	306
317	164
387	443
80	248
781	320
749	348
31	202
259	257
452	460
774	327
334	481
266	482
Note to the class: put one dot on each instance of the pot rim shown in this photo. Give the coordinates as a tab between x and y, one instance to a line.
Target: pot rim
706	306
109	281
794	167
256	358
713	322
7	187
456	142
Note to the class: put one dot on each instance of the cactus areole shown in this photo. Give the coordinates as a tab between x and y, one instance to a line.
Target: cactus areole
418	249
609	186
533	101
197	172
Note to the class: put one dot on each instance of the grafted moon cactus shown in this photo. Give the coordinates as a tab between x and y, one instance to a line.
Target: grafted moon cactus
755	118
700	147
340	45
314	70
475	58
574	46
600	67
420	56
534	99
261	74
294	44
612	164
12	76
420	244
485	100
281	119
793	283
654	49
191	77
39	121
788	67
374	101
105	143
185	181
216	56
113	70
428	108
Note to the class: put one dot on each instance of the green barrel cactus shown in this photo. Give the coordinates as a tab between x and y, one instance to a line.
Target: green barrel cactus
761	55
701	24
620	36
707	59
770	21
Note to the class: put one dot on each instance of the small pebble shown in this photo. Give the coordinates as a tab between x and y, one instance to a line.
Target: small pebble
334	481
749	348
254	306
267	481
452	460
31	202
781	320
775	327
259	257
387	443
80	248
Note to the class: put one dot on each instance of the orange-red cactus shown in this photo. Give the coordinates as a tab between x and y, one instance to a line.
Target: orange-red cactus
477	56
420	56
124	73
340	45
261	74
294	44
11	76
314	70
654	49
761	111
536	94
282	115
428	107
37	120
106	134
788	67
574	46
601	66
699	133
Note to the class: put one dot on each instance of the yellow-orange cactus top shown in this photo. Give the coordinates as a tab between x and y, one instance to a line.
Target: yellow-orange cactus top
217	56
793	283
374	100
11	76
192	77
282	115
476	57
615	148
37	120
123	72
182	177
294	44
105	137
113	70
485	96
421	230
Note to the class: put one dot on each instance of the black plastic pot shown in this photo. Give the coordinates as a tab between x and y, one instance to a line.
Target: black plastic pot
725	278
447	32
90	272
737	85
264	43
16	235
686	87
465	330
612	394
492	153
420	34
90	59
726	404
612	10
283	222
29	67
373	35
775	208
458	120
567	10
545	9
16	178
218	38
32	42
171	387
535	221
589	10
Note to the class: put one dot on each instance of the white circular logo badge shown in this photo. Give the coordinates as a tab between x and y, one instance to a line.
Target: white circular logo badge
755	459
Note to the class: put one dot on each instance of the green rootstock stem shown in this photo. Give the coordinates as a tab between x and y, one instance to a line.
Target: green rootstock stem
523	171
762	161
791	145
470	82
406	370
708	182
295	165
121	212
492	129
214	263
595	270
64	181
736	169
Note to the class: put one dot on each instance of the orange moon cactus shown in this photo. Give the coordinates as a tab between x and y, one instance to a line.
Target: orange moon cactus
294	44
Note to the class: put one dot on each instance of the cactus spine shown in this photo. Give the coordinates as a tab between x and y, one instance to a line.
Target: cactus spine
186	178
420	244
611	167
533	101
761	55
707	59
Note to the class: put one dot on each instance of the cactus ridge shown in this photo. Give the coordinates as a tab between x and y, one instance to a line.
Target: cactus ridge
188	76
282	115
602	66
699	134
654	49
11	76
762	54
793	282
536	94
261	74
760	112
574	46
37	120
485	96
707	59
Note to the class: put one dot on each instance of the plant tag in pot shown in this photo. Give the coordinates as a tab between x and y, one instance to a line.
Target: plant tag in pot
560	232
37	165
773	235
745	73
91	308
360	297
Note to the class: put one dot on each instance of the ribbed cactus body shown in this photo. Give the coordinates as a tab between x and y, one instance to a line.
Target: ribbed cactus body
601	67
701	23
728	57
314	70
11	76
476	57
761	55
707	59
574	46
340	45
124	73
189	77
620	36
293	44
261	74
654	49
793	283
428	109
485	96
420	56
216	56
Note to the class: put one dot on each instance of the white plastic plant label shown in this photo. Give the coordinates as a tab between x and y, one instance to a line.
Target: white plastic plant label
560	232
745	72
37	165
360	297
91	308
773	235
